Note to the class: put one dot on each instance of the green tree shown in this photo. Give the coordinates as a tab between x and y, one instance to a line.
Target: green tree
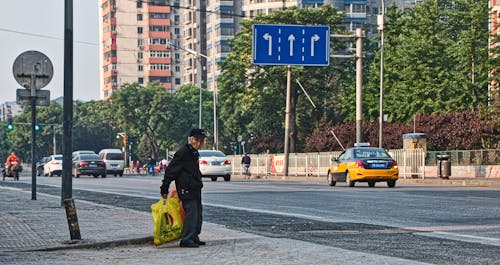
152	114
94	127
436	60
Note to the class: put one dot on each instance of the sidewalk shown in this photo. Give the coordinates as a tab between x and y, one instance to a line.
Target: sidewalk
38	229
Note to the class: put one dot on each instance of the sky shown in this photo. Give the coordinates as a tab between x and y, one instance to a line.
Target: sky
22	25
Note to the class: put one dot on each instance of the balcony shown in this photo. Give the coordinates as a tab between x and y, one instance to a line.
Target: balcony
159	21
154	60
159	34
158	9
159	73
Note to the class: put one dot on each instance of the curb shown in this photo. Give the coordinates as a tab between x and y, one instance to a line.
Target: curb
429	181
82	244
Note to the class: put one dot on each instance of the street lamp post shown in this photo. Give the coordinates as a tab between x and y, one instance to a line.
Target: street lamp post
381	115
197	55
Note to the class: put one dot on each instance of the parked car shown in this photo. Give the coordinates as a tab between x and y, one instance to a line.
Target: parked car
53	166
363	164
40	164
89	164
215	164
115	162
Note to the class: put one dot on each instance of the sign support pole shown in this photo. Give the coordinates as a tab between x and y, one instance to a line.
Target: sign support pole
67	182
33	136
287	117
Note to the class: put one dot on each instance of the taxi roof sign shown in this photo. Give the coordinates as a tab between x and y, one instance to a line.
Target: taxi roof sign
361	144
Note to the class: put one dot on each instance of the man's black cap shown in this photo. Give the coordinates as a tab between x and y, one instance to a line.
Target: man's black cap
197	133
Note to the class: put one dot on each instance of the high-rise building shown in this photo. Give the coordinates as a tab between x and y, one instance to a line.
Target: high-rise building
133	43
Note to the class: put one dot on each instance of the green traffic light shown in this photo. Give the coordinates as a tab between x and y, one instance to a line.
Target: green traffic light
37	127
10	126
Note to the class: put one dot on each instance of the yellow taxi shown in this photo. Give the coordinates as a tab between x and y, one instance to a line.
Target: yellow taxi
363	164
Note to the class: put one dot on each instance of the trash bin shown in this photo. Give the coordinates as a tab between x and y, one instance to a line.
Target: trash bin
443	166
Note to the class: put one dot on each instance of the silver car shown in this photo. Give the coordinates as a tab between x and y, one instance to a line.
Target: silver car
215	164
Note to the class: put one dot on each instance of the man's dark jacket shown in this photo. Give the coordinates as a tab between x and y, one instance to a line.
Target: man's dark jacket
185	170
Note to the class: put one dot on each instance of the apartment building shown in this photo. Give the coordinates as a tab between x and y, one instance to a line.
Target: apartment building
133	43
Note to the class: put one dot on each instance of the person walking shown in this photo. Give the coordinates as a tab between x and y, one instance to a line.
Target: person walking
245	162
137	167
151	165
185	170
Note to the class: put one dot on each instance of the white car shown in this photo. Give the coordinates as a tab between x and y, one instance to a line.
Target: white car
53	166
215	164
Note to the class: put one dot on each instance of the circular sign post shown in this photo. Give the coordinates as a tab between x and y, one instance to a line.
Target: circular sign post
33	64
33	70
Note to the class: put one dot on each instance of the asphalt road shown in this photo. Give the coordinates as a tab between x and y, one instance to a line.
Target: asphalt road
434	224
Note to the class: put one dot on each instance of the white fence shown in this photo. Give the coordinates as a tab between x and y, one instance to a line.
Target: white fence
411	163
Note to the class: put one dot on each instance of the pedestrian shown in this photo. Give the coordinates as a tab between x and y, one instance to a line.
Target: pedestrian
164	162
151	165
160	166
185	170
245	162
137	167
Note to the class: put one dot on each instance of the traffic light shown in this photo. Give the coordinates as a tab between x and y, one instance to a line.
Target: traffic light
9	125
131	140
37	127
125	139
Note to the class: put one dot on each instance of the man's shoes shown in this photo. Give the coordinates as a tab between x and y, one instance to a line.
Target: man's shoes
201	243
188	245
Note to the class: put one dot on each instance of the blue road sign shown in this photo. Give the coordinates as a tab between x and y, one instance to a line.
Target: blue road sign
277	44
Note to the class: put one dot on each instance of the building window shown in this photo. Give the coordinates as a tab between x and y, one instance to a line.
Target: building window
139	30
139	17
177	81
154	41
159	66
139	5
140	55
140	68
140	80
177	68
140	42
162	79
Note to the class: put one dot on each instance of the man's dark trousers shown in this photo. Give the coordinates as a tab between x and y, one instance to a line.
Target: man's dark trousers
192	220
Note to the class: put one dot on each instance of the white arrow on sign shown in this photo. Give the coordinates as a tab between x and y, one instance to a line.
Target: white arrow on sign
269	38
291	39
314	38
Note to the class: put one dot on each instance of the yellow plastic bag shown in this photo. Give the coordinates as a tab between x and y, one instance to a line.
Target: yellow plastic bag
167	220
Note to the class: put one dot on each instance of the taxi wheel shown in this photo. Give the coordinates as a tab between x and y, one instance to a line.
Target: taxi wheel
214	178
331	182
348	180
371	184
391	183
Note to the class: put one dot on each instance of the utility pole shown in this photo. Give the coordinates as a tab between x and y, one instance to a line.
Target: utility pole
381	115
359	81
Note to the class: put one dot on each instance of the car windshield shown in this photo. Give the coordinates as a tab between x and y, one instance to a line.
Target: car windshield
57	157
89	157
111	156
212	153
370	152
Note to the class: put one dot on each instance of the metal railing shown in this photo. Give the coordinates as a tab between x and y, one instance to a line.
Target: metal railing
466	157
316	164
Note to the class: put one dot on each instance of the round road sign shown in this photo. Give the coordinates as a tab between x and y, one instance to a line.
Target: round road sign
33	64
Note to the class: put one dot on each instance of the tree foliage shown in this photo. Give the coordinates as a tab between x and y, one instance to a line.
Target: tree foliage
436	60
